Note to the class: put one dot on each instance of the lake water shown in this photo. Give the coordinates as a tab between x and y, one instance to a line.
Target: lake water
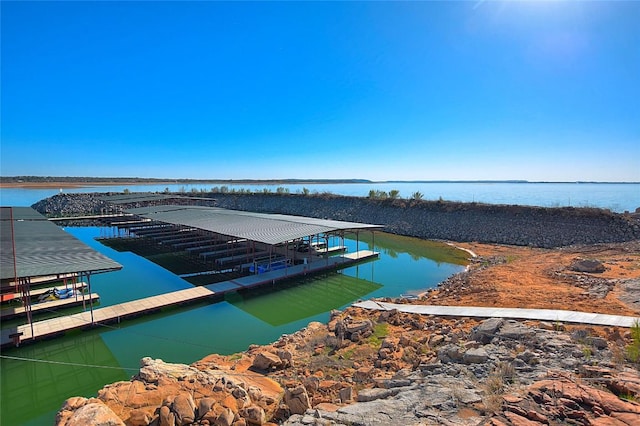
81	363
617	197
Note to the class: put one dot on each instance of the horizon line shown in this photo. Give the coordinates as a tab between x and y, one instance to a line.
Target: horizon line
129	179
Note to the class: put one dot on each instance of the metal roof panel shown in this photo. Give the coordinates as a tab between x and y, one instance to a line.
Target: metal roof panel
262	227
42	248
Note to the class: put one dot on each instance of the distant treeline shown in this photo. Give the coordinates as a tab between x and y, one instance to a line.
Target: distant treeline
139	180
78	179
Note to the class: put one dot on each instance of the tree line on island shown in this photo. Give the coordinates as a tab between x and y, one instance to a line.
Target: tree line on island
374	194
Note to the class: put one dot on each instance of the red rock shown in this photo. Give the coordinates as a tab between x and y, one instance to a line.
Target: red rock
610	403
572	395
62	417
631	419
184	409
205	404
94	414
327	406
132	395
74	403
511	399
626	383
535	416
518	420
516	410
312	384
225	418
363	374
266	361
231	403
139	417
608	421
327	384
253	415
166	417
297	400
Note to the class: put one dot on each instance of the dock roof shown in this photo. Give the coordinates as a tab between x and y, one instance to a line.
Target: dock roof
262	227
42	248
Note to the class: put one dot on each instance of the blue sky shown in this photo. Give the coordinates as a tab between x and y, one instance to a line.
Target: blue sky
540	90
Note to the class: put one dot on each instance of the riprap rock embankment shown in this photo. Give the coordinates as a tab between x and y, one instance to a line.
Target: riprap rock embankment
501	224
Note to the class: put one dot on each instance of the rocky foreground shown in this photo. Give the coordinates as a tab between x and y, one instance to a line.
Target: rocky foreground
387	368
416	371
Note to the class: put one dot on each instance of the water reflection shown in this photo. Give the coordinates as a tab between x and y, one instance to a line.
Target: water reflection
303	299
30	387
32	393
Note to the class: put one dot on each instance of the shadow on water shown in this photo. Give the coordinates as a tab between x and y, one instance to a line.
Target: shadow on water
394	245
297	300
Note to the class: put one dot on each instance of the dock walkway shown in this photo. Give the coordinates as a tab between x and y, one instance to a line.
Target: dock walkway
134	308
513	313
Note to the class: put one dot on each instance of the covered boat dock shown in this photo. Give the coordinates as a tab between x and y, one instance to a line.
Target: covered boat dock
260	249
230	244
36	252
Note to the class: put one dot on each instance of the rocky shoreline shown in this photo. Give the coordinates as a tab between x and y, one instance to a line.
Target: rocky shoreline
439	220
419	371
380	368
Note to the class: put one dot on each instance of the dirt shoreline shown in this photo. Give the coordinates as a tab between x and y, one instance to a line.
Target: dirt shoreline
526	277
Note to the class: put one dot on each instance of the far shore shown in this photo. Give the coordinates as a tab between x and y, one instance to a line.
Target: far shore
47	185
84	184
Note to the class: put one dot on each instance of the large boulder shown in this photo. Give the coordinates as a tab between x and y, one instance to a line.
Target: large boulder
166	417
475	356
359	326
184	408
297	400
93	413
450	353
225	418
266	361
514	330
587	265
254	415
139	417
487	329
578	398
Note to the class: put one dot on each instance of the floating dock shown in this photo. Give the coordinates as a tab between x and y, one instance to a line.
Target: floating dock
40	291
51	305
115	313
39	281
331	250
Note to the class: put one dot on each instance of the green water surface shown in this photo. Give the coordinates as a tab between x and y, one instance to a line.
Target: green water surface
37	378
